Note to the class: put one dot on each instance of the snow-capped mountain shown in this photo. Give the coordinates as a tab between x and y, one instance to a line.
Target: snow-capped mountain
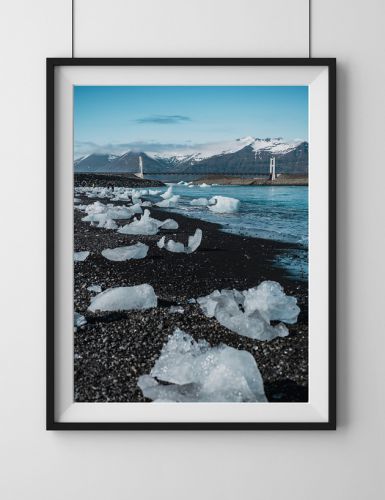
247	155
93	162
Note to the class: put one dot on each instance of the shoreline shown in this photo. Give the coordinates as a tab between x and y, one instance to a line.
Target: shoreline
113	349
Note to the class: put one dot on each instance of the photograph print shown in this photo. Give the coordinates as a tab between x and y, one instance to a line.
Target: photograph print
190	244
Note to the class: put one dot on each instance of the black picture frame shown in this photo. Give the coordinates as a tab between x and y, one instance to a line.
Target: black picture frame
51	424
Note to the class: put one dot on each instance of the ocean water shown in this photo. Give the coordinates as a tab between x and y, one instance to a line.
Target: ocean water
277	213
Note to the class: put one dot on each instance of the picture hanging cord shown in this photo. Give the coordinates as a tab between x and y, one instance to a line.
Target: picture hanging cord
73	34
72	28
309	29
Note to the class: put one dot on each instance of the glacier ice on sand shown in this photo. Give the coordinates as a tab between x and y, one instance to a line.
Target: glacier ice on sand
81	256
250	312
124	298
79	320
177	247
196	372
119	254
145	225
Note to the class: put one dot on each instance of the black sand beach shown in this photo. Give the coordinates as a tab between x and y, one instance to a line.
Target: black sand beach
113	349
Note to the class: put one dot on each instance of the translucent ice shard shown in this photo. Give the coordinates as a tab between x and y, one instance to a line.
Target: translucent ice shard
137	251
124	298
196	372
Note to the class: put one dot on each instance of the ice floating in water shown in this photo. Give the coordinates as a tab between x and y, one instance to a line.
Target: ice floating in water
199	202
153	192
223	204
94	288
169	202
176	247
249	313
137	251
80	256
197	372
146	226
124	298
167	194
204	185
79	320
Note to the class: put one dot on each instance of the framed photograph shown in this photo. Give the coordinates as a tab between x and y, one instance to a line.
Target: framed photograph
191	244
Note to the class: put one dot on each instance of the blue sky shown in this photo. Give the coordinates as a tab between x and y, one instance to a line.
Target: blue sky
115	119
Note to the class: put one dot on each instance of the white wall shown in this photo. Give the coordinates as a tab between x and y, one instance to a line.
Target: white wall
40	465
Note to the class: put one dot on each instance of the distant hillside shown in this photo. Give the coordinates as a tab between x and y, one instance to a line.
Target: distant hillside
247	155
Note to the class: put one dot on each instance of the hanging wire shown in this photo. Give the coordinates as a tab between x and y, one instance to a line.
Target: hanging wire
72	28
309	28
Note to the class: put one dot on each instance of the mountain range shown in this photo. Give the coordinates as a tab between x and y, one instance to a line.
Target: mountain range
247	155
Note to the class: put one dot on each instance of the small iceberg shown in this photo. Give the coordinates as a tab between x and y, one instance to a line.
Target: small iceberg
199	202
176	310
107	223
223	204
120	254
169	224
124	298
249	313
176	247
169	202
79	320
144	226
196	372
81	256
167	194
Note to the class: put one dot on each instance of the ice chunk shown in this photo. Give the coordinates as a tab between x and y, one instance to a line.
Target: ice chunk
94	288
176	310
160	243
145	225
120	213
197	372
169	202
169	224
124	298
194	241
107	224
137	251
80	256
249	313
79	320
223	204
199	202
176	247
136	208
167	194
153	192
204	185
271	301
